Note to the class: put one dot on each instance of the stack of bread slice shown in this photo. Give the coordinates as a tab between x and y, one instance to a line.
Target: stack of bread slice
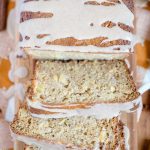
81	83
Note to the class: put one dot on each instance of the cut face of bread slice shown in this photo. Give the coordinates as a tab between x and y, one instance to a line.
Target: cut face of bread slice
82	82
69	88
85	26
74	132
62	87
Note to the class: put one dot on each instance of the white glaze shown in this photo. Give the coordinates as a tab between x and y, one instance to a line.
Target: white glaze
19	52
10	111
21	72
20	91
8	96
39	143
72	19
100	111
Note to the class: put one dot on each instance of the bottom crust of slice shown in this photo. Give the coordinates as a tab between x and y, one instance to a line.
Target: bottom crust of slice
100	111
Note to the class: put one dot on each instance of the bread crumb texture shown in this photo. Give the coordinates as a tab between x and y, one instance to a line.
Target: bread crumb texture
81	132
69	82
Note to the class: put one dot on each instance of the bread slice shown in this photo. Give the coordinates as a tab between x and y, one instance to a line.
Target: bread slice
80	87
82	82
75	132
75	29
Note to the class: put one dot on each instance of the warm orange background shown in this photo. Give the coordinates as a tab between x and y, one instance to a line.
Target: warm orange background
143	54
5	64
4	68
143	51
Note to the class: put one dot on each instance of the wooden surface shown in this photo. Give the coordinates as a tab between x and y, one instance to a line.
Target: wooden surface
144	125
3	7
143	57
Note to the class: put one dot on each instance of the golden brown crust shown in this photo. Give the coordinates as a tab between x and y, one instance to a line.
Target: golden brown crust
69	107
27	15
71	41
39	111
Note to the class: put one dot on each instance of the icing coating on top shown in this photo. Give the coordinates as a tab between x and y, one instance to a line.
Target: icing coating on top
100	111
74	18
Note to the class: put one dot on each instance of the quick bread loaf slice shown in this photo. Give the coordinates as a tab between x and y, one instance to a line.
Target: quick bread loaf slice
82	82
86	26
86	133
81	87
